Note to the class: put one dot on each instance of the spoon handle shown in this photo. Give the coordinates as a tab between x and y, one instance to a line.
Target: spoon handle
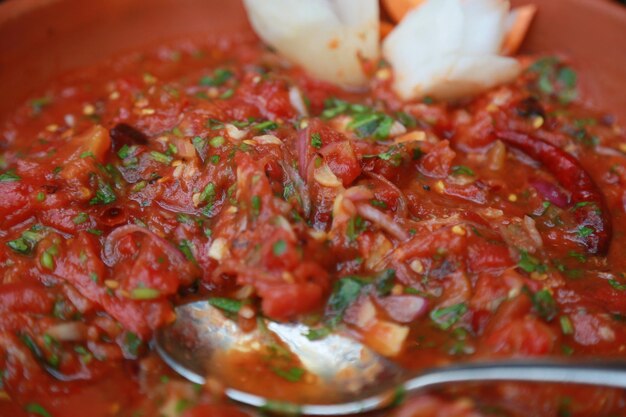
601	373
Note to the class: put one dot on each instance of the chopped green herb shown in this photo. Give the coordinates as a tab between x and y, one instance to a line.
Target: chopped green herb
182	405
584	231
85	355
200	144
186	247
208	194
279	248
366	122
171	149
80	218
406	119
316	140
27	241
530	264
345	292
35	408
9	176
255	202
555	79
578	256
104	195
617	285
38	104
87	154
265	126
132	343
20	245
446	317
220	76
463	170
378	203
393	155
281	408
544	303
227	304
292	374
227	94
41	196
139	186
384	282
318	333
355	226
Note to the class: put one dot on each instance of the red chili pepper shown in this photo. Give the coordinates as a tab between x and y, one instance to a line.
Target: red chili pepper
587	201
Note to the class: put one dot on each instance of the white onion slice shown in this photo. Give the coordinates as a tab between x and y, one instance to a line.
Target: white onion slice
325	37
448	49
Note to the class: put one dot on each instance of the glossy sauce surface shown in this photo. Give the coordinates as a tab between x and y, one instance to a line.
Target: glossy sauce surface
433	233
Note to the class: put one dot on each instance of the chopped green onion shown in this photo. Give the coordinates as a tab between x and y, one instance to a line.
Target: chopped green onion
265	126
227	304
217	141
566	325
47	260
161	157
144	294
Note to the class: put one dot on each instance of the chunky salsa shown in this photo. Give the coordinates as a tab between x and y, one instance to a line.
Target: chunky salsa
433	232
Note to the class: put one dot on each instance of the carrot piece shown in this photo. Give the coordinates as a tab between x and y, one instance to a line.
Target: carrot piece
398	8
521	18
385	28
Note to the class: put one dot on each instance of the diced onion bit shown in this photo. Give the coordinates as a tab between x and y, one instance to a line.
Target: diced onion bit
218	249
324	176
68	332
386	338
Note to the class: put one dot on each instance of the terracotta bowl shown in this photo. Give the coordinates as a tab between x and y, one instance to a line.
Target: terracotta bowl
42	38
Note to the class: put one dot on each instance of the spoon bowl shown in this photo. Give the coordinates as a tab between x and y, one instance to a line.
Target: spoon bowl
343	376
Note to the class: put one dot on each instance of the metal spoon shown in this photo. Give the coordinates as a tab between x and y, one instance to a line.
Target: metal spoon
348	377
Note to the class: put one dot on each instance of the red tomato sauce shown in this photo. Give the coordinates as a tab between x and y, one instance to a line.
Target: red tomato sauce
434	233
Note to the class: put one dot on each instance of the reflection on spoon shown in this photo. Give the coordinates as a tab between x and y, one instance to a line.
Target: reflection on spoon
332	376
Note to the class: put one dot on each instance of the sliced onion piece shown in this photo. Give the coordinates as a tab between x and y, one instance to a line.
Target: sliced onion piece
404	308
448	49
383	221
326	37
111	255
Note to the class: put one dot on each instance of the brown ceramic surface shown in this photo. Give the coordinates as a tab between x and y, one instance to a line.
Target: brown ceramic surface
42	38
